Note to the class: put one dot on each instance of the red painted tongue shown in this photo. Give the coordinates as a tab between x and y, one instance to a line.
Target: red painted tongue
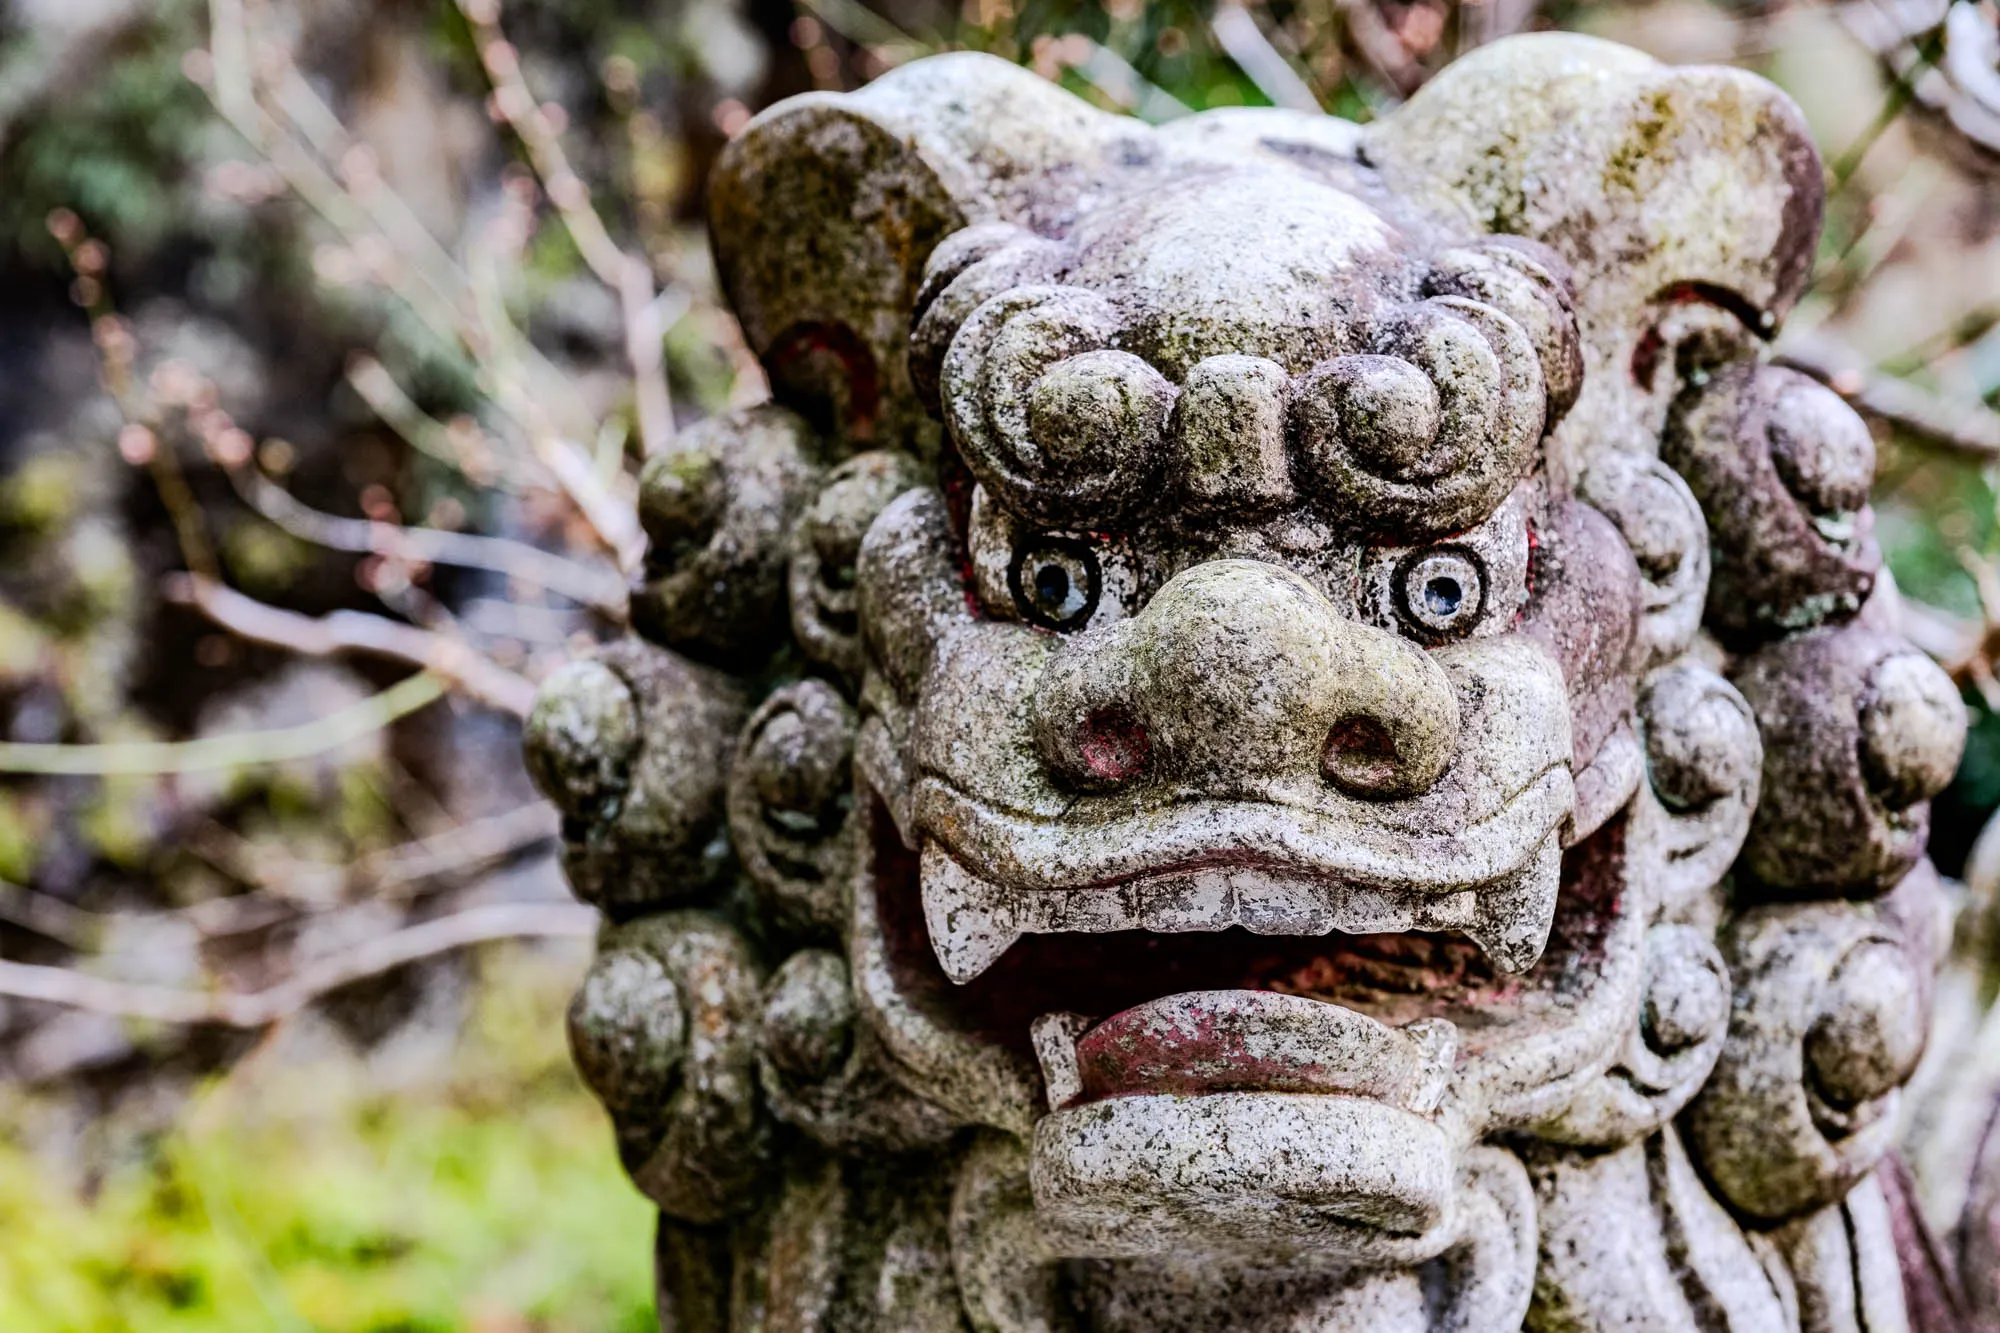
1245	1040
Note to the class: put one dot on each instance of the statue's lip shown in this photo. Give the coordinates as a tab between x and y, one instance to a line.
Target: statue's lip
1238	1040
1035	854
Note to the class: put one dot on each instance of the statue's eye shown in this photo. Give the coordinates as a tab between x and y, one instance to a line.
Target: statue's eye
1056	582
1440	593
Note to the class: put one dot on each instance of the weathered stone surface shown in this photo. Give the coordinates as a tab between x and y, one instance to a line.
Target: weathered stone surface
1860	731
690	1126
716	513
1686	203
1347	765
826	552
633	747
790	796
1781	466
1832	1008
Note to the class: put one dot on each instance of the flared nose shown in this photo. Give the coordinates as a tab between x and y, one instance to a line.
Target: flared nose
1237	671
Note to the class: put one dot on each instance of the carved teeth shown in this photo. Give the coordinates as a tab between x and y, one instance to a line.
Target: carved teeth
971	921
1511	917
1437	1049
1054	1039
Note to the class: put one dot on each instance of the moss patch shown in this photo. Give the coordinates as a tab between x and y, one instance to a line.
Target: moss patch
296	1197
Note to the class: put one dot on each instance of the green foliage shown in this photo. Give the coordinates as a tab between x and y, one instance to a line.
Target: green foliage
117	821
1928	509
264	559
1169	44
115	147
299	1197
1932	513
20	838
41	494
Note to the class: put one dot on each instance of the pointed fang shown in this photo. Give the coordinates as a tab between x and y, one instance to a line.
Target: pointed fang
971	923
1512	917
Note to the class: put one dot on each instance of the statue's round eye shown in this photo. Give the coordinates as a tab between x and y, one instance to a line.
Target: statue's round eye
1056	582
1440	593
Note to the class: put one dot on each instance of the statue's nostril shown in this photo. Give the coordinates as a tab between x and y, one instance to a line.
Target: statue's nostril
1114	745
1360	757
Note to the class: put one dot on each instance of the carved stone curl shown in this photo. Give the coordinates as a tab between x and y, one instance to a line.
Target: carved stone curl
632	746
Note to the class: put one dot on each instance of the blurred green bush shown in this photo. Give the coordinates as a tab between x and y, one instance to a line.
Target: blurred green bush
297	1193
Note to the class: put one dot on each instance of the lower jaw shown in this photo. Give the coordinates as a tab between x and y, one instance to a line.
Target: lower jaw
1398	977
1259	1174
1247	1122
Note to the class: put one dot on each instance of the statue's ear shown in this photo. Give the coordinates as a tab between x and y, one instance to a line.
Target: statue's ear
1686	200
824	209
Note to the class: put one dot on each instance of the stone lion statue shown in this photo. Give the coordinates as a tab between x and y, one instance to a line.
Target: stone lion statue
1280	726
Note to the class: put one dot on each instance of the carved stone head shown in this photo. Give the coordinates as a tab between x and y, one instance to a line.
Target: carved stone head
1280	725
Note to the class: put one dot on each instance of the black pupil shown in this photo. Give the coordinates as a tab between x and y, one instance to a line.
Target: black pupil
1443	595
1052	585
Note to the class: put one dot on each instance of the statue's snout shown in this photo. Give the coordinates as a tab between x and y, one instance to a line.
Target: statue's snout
1238	673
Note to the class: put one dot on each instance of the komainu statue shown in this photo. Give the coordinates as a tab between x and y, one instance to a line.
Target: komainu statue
1281	725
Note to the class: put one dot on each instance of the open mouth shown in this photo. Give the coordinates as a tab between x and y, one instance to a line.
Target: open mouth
991	877
1323	1084
1251	973
1235	968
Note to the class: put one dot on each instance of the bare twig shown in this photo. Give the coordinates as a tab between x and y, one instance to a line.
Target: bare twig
1948	53
291	96
1380	48
645	348
1966	329
592	586
628	276
387	875
229	40
1959	426
257	1009
234	750
1965	647
463	451
864	27
474	843
1923	52
291	888
1876	235
434	295
446	660
84	931
1116	77
117	353
498	618
50	917
1951	639
1236	31
613	519
412	267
